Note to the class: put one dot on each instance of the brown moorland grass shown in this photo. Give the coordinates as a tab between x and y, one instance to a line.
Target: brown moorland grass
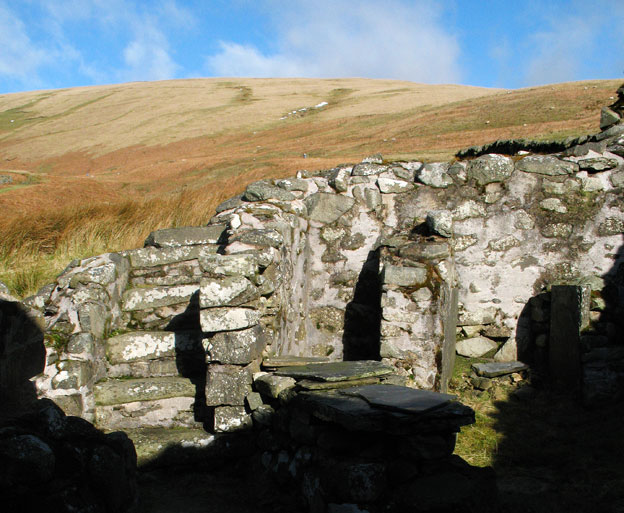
109	164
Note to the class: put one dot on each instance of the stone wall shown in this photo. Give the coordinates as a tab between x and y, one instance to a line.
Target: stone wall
377	260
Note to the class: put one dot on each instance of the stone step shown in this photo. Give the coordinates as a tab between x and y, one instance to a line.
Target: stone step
137	346
158	447
116	391
165	402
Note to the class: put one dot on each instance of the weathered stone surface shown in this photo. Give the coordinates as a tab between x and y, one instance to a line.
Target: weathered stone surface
504	243
553	205
392	186
275	362
260	237
490	168
227	319
546	165
228	419
226	291
188	236
404	276
171	446
435	174
368	169
508	351
611	226
242	264
476	316
154	297
492	370
118	392
440	222
152	256
424	251
72	375
236	347
398	398
230	204
475	347
617	179
149	345
172	412
327	208
339	179
262	191
356	414
271	385
227	385
336	371
608	118
556	230
597	164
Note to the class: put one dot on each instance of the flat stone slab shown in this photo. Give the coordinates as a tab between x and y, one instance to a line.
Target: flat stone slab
356	414
492	370
398	398
336	371
276	362
309	384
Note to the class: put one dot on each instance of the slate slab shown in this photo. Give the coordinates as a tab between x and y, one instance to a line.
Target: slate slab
494	369
310	384
275	362
401	399
336	371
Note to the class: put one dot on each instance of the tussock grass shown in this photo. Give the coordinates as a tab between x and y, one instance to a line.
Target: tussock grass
37	247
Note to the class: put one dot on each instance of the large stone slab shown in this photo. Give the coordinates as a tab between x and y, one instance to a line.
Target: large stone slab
404	276
262	191
276	362
475	347
236	347
399	398
149	345
151	256
113	392
155	297
228	419
490	168
228	319
243	264
173	412
171	446
226	291
187	236
494	369
227	385
546	165
337	371
356	414
326	207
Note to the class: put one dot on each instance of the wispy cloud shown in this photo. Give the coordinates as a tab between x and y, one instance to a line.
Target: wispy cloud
339	38
573	38
147	56
20	57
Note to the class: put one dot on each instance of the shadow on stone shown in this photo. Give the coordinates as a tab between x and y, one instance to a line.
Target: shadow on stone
361	338
568	457
47	459
191	357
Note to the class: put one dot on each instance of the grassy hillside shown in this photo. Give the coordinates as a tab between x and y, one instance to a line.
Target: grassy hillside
95	169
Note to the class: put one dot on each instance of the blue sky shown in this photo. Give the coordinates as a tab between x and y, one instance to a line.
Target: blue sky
47	44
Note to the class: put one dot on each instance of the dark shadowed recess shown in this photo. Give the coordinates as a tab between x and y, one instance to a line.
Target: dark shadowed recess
361	338
563	450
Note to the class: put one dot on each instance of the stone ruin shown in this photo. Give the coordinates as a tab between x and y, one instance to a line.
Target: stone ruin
301	297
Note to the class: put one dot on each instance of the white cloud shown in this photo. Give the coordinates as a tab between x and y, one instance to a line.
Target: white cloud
20	58
575	41
147	55
341	38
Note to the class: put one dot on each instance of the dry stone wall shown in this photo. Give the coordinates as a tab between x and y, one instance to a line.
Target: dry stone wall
377	260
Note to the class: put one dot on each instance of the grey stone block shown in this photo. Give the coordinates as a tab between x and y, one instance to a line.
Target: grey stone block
187	236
